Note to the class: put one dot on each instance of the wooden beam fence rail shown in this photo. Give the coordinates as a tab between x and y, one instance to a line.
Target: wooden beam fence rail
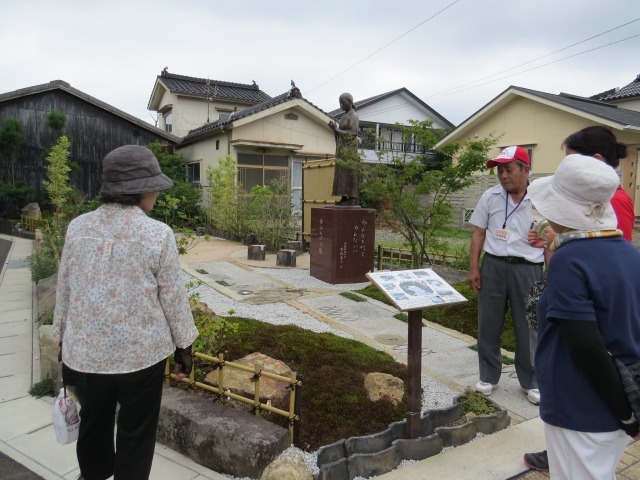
398	259
394	259
294	381
31	224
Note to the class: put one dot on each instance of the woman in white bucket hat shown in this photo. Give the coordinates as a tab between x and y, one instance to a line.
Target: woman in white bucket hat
589	312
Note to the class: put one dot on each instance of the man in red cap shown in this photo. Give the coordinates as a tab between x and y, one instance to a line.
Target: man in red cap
502	220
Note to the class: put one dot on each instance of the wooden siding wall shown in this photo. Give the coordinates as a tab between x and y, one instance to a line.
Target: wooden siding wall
93	132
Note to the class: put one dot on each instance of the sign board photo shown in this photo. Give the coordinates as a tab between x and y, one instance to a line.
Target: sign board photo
415	289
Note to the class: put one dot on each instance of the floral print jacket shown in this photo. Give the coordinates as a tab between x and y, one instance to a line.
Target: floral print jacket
121	302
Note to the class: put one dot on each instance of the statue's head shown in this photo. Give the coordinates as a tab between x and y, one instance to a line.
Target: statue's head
346	101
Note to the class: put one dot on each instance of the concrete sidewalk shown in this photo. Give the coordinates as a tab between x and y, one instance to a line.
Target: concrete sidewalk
26	433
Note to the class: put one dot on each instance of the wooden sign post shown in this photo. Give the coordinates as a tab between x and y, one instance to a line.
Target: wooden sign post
411	291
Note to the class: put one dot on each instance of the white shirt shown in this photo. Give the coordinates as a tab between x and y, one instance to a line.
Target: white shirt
496	209
121	300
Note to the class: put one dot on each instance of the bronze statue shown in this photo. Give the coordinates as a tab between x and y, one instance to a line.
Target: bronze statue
345	177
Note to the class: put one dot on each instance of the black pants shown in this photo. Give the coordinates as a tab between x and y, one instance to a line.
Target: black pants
139	395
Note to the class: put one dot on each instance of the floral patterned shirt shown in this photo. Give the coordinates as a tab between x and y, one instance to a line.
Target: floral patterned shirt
121	302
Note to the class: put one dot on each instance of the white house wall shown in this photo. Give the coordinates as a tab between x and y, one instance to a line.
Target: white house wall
315	138
398	108
206	153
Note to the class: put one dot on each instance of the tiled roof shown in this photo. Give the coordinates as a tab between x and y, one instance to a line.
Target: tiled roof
226	118
631	90
598	108
217	89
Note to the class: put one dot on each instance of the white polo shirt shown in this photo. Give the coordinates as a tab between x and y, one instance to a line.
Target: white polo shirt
507	225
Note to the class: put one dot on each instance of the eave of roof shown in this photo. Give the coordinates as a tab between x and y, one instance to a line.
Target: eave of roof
228	120
338	113
207	88
66	87
587	107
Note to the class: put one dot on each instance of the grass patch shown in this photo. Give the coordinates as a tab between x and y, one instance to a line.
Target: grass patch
202	271
403	317
353	296
334	402
43	388
372	291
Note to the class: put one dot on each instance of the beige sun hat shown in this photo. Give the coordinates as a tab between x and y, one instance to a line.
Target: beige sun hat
578	195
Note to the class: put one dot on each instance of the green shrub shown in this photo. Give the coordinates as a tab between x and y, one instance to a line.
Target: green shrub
42	264
474	402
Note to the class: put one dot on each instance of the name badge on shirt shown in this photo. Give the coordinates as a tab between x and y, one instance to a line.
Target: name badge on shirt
502	234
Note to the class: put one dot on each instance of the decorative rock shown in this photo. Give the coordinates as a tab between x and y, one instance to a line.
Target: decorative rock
288	466
286	258
382	386
49	366
257	252
239	381
46	292
296	245
31	210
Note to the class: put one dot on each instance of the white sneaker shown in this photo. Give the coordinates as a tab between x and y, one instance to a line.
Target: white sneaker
533	395
485	388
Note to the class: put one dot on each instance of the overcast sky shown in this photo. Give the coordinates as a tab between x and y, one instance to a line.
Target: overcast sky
438	49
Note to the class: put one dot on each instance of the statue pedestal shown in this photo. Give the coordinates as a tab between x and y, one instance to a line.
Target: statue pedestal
342	244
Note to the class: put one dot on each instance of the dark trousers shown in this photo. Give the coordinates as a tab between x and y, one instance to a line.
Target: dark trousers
139	395
504	282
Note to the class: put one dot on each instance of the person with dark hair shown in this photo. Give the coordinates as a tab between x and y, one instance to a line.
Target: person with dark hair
345	177
600	142
502	219
121	310
588	315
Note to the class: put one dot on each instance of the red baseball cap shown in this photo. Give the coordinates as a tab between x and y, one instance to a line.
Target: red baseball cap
510	154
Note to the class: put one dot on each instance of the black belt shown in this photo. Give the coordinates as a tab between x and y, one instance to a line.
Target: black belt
516	260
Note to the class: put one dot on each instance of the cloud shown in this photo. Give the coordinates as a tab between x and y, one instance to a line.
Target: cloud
114	50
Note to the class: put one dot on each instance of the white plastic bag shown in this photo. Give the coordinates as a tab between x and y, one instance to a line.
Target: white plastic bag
66	418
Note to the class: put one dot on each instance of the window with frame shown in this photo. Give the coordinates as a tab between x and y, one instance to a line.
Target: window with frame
168	121
258	169
193	172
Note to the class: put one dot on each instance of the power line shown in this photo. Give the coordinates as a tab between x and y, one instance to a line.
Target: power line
384	46
534	68
536	59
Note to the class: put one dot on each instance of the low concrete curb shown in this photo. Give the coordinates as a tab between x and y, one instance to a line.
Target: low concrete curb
376	454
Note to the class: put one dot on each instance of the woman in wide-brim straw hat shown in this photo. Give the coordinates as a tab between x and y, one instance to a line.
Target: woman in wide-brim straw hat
121	310
589	312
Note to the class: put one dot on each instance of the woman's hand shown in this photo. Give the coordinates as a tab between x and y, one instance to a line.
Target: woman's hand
184	362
